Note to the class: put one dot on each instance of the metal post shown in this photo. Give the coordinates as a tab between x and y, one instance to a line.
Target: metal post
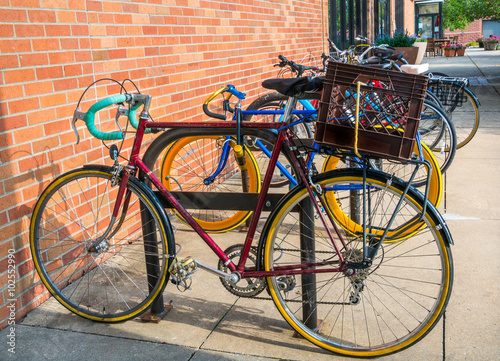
307	255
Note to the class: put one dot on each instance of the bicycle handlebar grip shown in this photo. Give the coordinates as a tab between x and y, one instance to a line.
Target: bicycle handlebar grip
132	115
89	117
213	115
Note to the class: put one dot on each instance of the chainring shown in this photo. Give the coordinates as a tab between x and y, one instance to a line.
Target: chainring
245	287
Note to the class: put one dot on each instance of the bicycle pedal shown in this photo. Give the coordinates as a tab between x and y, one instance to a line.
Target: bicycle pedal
181	271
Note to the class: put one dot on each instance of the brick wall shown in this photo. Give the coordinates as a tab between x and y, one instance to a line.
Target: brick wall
473	32
177	50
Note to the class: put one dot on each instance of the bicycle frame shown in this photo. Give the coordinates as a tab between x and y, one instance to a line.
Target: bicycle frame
283	137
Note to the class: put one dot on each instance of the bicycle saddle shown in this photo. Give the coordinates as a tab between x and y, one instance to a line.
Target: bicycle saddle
383	54
376	63
397	56
305	87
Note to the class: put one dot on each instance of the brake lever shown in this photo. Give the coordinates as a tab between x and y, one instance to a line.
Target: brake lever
77	115
119	112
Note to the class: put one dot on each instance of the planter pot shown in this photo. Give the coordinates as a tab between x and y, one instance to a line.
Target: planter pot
481	45
409	53
460	52
490	46
449	52
422	46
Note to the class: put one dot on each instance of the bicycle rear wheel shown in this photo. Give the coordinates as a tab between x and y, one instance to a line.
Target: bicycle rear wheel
374	311
106	278
403	171
438	133
189	165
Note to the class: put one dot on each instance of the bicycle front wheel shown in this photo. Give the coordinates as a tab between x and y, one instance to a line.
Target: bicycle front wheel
198	164
374	311
106	277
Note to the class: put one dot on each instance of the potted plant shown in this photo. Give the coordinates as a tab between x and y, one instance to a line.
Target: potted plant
491	43
460	49
403	42
421	44
480	41
449	50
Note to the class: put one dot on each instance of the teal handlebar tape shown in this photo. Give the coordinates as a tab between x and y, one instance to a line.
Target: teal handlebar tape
132	115
90	117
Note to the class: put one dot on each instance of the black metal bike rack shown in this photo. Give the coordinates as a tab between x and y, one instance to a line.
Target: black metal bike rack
229	201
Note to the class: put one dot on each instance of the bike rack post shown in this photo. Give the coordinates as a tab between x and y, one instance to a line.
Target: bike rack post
158	309
307	255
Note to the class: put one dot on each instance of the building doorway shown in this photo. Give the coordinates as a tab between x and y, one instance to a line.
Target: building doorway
429	19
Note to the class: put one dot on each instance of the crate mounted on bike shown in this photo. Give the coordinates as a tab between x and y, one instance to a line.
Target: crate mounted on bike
388	104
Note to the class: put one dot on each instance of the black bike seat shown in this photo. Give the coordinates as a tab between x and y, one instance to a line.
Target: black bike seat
397	56
304	88
383	54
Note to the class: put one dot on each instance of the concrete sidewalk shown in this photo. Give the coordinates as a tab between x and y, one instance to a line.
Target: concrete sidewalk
208	323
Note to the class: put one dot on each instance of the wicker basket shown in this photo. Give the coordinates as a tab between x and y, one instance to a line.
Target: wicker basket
389	112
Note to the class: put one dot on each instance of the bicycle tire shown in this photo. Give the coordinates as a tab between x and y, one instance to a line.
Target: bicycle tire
436	73
187	165
274	101
379	310
404	171
438	133
110	281
463	109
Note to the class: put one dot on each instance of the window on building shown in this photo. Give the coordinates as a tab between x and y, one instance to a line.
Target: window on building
382	17
347	20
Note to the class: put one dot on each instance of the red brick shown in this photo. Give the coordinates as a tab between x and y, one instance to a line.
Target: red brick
65	84
23	105
94	6
45	144
25	3
79	30
40	116
56	126
10	123
83	55
13	153
14	46
61	57
66	16
58	30
42	16
117	53
33	59
7	30
52	100
77	4
11	92
55	4
41	87
46	44
29	30
69	43
14	15
49	72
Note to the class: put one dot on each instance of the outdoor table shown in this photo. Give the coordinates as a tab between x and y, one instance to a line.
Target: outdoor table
440	43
